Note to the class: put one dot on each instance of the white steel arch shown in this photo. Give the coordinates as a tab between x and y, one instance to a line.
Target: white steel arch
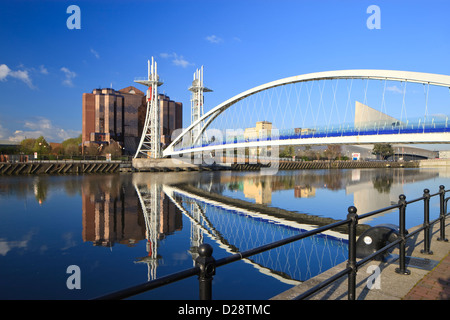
373	74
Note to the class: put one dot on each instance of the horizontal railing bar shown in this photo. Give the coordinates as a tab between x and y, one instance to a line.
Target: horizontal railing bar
415	200
439	219
278	243
373	255
394	206
409	235
131	291
193	271
372	213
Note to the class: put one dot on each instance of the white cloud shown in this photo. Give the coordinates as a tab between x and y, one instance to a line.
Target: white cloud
214	39
4	71
394	89
43	69
180	61
6	246
40	126
69	77
95	53
177	60
22	75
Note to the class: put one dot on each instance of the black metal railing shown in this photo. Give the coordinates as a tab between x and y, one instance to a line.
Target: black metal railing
206	265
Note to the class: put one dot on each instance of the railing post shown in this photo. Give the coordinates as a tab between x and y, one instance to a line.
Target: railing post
426	222
443	209
207	266
351	263
402	213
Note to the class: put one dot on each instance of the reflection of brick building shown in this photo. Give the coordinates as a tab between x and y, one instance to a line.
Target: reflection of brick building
112	214
171	219
109	115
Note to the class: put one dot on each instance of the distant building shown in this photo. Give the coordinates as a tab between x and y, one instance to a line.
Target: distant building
368	117
118	116
171	118
253	133
444	154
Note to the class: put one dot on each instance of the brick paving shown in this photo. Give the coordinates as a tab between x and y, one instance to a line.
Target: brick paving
435	285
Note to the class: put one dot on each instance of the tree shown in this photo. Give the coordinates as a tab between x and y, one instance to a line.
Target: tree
71	150
333	151
41	146
92	149
288	152
384	150
113	148
71	146
27	146
31	145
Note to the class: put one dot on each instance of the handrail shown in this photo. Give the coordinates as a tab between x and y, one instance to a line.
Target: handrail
206	265
320	133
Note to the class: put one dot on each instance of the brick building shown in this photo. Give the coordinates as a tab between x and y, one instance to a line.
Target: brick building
118	116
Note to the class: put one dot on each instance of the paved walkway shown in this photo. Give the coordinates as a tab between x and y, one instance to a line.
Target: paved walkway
435	285
429	277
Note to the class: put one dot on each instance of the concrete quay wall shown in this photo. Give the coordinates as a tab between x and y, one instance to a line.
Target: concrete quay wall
434	163
60	167
163	164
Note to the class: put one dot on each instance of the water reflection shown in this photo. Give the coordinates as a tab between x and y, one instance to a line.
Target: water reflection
145	212
150	210
368	189
236	229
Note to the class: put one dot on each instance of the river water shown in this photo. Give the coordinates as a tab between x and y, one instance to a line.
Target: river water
120	230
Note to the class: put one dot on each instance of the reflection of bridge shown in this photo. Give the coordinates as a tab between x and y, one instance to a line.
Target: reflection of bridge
298	111
230	227
113	215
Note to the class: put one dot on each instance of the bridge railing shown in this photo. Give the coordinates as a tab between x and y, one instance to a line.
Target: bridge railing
206	265
417	126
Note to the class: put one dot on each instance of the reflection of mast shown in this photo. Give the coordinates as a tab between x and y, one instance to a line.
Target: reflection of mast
196	232
206	227
149	197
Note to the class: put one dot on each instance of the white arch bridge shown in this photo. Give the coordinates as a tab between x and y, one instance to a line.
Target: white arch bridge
317	109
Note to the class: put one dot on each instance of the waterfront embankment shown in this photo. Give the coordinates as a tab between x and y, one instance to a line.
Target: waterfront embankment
171	165
63	167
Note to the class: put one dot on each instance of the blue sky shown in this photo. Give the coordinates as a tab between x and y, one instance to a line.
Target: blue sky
45	67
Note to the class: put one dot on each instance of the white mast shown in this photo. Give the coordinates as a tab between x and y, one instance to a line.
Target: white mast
150	144
197	102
